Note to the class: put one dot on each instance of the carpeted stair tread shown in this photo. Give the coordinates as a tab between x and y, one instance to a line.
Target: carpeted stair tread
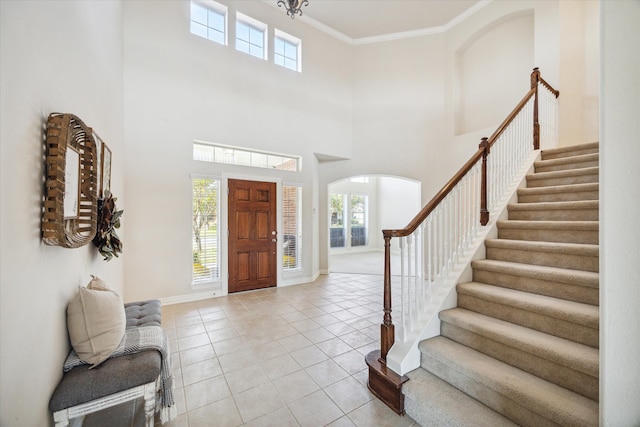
566	163
551	225
564	206
580	210
570	151
565	177
575	256
573	285
550	231
560	351
559	193
575	312
433	402
587	186
522	397
556	274
574	248
579	323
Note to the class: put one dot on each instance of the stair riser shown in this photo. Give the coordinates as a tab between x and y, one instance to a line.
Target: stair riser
572	196
573	331
550	288
562	236
501	403
566	180
563	376
432	402
554	214
566	166
549	155
550	259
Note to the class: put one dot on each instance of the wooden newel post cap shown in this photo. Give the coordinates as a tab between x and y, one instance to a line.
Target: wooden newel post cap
484	145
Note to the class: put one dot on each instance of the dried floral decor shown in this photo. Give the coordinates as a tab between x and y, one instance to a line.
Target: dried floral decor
106	239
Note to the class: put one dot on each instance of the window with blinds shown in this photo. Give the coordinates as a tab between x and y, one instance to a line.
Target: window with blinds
292	228
205	230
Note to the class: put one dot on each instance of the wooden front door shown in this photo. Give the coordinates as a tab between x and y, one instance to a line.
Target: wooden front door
252	235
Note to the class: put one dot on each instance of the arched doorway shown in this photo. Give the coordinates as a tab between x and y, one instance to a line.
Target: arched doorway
360	207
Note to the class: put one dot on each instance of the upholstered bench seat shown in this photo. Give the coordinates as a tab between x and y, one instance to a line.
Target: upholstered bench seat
118	379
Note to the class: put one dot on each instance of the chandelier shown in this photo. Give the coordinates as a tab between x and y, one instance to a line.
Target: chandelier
293	6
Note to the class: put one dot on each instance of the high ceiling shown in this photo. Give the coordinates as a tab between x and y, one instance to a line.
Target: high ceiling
361	19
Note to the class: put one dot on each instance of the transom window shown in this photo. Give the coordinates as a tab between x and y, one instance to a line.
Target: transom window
209	20
251	36
244	157
286	51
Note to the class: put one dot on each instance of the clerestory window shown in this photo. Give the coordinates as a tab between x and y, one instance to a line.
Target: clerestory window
209	20
286	51
251	36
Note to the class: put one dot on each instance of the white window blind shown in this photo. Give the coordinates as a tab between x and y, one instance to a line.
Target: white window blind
292	227
205	230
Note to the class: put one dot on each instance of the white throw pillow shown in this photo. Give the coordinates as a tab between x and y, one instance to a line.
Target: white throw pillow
97	284
96	321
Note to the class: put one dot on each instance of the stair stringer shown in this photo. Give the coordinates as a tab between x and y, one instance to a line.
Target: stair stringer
404	356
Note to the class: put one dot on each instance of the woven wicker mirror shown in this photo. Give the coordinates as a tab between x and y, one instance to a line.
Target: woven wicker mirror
70	205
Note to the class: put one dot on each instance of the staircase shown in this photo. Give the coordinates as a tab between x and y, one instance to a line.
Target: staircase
521	347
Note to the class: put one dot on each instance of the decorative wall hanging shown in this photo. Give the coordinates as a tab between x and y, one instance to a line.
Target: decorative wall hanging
106	239
70	205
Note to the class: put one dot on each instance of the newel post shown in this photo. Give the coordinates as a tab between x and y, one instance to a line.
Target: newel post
387	328
535	78
484	212
384	383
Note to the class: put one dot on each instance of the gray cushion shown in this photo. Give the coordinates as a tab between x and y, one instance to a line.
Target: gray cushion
143	313
82	384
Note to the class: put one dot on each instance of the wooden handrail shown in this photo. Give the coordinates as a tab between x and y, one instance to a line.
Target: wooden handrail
387	327
450	185
383	382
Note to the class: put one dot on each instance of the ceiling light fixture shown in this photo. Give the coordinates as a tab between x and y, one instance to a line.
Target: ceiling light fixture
293	6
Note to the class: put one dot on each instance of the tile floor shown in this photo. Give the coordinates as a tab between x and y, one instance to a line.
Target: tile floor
290	356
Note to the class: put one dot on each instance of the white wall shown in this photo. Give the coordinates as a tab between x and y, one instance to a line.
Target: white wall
619	213
54	57
489	70
404	94
180	87
579	76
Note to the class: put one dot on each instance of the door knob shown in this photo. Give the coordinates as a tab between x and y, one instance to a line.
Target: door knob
274	240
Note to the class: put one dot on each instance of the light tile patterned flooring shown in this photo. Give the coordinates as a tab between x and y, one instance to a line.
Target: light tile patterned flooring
291	356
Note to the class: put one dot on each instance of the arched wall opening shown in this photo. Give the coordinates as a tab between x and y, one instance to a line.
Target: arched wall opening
489	70
360	207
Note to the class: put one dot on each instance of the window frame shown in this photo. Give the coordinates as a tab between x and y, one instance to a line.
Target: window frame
209	152
215	7
298	251
255	25
291	40
216	267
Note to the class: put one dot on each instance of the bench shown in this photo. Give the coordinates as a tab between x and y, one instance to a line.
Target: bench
82	391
